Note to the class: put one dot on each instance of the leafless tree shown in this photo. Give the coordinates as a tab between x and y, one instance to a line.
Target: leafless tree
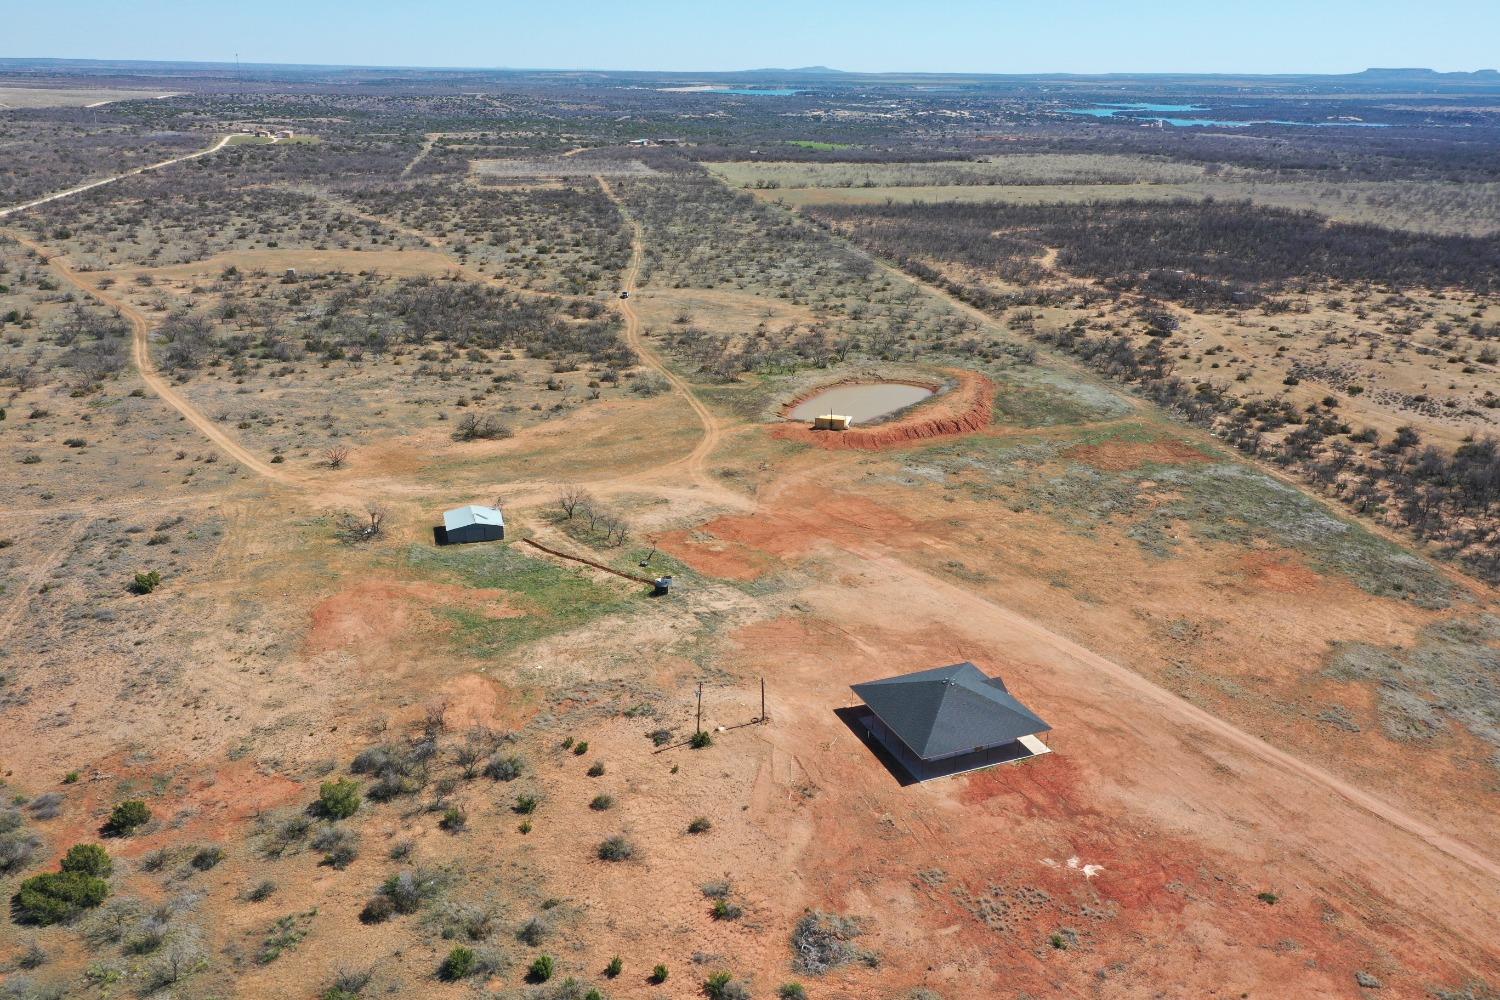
362	529
572	498
336	456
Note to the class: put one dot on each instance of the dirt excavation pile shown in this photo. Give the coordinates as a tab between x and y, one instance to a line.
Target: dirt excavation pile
967	407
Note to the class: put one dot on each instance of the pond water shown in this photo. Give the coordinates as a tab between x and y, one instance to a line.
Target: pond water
860	403
1145	113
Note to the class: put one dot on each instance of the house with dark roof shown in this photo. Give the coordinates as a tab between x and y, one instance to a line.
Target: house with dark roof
471	524
948	720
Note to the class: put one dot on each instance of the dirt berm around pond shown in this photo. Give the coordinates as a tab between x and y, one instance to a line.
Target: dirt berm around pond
968	406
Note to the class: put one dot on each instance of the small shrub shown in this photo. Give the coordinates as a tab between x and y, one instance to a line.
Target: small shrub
541	969
339	799
71	778
792	991
700	825
458	965
145	583
378	910
348	984
602	802
526	804
1058	942
616	848
661	737
88	859
126	818
260	891
615	967
726	909
532	932
701	740
207	857
454	819
1269	898
504	768
581	749
58	897
339	847
822	942
722	986
596	770
659	975
16	848
48	805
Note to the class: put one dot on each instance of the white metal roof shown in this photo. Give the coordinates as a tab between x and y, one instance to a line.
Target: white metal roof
462	517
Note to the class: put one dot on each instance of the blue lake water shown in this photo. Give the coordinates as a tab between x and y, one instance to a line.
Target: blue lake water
1133	111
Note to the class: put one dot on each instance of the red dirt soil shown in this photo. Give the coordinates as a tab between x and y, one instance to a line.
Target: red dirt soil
1122	456
968	407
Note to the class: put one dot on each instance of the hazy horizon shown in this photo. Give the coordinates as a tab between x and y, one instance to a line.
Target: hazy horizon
1079	37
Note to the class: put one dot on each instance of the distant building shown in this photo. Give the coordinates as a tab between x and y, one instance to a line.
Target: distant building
472	524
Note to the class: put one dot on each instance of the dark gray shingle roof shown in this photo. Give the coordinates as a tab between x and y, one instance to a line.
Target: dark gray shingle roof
948	710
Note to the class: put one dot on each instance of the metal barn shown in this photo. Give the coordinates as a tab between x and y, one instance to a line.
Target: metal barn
473	524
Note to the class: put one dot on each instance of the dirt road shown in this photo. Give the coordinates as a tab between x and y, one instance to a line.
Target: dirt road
223	141
695	463
1180	710
141	355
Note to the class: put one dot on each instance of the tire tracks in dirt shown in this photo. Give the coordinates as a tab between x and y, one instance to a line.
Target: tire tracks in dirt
58	555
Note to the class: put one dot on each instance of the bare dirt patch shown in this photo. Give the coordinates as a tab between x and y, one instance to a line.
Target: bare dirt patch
1121	456
378	613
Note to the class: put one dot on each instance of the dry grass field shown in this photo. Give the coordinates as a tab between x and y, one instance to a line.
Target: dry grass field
41	97
239	393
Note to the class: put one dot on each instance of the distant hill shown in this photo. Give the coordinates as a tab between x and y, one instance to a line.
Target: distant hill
1422	73
803	71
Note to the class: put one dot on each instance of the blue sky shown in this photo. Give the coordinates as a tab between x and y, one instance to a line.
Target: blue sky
1002	36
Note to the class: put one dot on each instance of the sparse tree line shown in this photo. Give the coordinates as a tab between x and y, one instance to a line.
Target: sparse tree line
368	317
584	511
1202	254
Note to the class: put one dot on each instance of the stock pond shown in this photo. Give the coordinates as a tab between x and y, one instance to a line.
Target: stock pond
861	403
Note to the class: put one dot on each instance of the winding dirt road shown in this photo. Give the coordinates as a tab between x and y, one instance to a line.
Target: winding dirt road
141	355
695	463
